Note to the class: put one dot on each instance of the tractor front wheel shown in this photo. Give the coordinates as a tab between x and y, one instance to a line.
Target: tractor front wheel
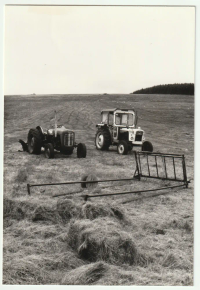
81	150
49	151
147	146
102	139
122	148
34	141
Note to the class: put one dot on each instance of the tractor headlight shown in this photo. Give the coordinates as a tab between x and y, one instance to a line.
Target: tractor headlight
131	137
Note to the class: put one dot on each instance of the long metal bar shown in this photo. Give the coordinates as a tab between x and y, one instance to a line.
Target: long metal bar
163	178
128	192
152	195
75	182
159	154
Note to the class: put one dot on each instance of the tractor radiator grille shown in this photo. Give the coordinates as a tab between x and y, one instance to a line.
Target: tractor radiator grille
138	136
69	139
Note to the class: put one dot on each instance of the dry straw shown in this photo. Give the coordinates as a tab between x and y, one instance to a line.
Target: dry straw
99	273
103	239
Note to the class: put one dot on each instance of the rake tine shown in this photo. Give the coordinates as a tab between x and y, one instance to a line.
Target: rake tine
165	166
148	165
156	165
174	168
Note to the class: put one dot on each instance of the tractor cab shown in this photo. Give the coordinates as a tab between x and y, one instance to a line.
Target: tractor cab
119	122
119	127
117	117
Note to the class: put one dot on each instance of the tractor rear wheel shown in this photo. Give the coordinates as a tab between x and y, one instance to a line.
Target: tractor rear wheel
122	148
102	139
49	151
81	150
34	141
147	146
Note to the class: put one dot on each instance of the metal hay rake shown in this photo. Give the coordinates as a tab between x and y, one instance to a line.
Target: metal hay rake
161	171
148	165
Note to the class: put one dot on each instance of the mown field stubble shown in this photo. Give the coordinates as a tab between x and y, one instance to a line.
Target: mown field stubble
104	241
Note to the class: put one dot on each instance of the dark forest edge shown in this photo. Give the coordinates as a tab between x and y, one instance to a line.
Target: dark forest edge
170	89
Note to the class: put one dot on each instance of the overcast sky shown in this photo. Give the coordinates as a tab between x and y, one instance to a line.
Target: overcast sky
79	50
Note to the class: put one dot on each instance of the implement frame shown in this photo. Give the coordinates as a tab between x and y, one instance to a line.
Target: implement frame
137	175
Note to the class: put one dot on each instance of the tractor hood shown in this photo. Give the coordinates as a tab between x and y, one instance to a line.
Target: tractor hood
60	130
125	129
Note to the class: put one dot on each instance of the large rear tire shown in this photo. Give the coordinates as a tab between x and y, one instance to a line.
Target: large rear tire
34	141
102	139
147	146
81	150
49	151
122	148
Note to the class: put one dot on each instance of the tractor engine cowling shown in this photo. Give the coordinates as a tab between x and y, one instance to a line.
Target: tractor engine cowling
67	139
136	136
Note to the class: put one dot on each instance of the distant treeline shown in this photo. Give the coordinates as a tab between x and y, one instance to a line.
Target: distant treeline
173	89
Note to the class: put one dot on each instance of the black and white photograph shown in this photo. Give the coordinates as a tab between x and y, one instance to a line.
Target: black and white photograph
98	153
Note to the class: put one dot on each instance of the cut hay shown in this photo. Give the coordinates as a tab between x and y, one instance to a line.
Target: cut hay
92	210
68	209
44	213
16	209
103	239
99	273
24	272
174	260
180	224
85	275
64	261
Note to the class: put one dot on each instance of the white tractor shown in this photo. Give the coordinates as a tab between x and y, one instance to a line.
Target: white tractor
119	127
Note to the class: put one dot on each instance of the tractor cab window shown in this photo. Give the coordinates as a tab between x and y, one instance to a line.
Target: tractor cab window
130	119
124	119
110	119
104	117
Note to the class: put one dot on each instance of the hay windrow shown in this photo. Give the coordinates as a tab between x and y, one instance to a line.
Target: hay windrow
85	275
103	239
68	209
24	272
44	213
92	210
15	209
99	273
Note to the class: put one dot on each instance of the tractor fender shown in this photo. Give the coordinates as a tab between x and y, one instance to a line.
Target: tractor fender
39	128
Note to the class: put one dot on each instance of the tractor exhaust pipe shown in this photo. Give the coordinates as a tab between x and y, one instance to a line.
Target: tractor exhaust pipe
55	125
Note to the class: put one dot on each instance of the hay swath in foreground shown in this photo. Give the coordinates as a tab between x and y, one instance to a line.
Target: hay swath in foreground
148	165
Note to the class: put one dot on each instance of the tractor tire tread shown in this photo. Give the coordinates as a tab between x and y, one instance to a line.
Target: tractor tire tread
107	139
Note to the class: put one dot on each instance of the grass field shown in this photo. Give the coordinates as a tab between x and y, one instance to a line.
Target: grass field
107	241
